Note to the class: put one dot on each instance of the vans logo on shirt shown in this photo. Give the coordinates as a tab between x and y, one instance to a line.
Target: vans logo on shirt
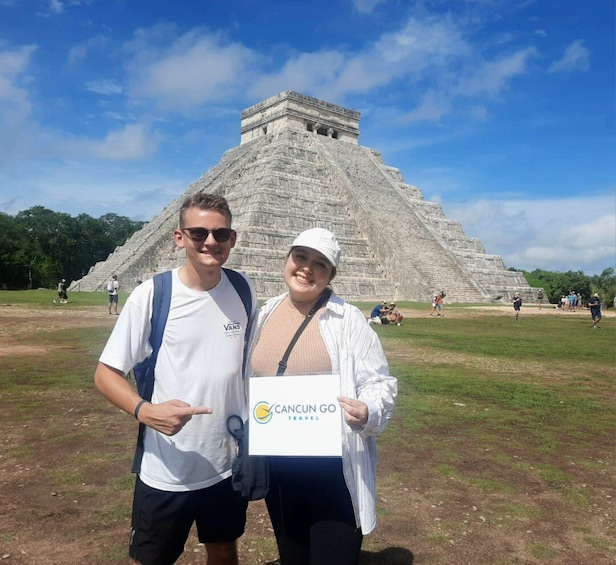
232	328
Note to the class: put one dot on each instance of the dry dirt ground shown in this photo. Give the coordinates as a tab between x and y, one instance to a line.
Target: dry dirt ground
65	500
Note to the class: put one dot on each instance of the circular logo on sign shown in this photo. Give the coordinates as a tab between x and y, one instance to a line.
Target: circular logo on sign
262	412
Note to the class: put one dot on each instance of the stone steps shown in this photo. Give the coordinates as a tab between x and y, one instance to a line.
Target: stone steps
414	243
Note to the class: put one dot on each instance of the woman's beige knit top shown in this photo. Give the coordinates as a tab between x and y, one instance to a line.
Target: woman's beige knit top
308	357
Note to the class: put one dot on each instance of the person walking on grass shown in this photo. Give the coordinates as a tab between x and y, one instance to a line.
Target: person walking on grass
595	310
434	304
440	297
185	474
113	289
62	294
517	304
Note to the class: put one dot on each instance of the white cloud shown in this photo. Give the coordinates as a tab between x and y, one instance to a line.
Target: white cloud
307	72
13	79
418	49
432	56
365	6
597	233
133	141
79	53
479	113
104	86
545	233
575	58
432	107
21	138
56	6
82	186
491	77
188	71
181	73
15	103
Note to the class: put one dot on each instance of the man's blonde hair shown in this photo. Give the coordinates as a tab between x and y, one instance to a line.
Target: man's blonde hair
205	201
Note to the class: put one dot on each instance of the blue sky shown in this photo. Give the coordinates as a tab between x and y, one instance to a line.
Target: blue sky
502	111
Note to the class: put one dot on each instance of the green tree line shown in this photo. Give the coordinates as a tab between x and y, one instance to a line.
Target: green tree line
38	246
557	284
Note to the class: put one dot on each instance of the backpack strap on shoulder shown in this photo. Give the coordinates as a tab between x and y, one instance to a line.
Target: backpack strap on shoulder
144	371
161	302
242	287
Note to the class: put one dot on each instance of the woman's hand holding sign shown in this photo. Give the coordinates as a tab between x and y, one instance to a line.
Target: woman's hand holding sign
355	411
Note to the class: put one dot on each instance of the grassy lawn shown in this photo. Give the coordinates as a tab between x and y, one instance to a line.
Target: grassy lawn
501	450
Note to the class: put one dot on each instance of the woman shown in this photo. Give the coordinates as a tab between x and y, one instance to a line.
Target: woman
321	507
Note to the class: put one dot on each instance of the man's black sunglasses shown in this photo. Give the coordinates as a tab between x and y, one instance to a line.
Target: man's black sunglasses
199	235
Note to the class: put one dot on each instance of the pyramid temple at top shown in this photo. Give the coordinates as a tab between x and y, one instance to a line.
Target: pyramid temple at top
299	165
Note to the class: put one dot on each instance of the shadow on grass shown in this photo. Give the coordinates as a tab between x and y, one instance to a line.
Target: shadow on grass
389	556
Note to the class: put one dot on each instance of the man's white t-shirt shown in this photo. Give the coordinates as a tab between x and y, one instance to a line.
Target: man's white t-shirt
199	362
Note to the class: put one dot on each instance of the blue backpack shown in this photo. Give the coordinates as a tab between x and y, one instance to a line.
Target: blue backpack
161	301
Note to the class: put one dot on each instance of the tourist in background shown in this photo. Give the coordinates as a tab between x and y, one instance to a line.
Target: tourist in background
434	304
440	297
539	298
113	289
595	310
321	507
572	300
376	316
62	294
517	304
394	315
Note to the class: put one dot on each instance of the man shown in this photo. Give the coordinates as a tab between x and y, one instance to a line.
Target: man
62	294
572	300
539	298
517	304
185	473
113	288
595	310
440	297
376	316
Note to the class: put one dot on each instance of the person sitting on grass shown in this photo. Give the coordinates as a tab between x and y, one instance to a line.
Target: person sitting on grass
376	316
393	314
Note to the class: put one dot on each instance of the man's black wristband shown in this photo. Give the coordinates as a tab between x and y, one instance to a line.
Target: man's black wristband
138	407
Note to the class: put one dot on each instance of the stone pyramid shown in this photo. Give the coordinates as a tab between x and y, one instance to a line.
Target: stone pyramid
299	165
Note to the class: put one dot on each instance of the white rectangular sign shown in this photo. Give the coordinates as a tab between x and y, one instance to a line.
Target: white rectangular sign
297	416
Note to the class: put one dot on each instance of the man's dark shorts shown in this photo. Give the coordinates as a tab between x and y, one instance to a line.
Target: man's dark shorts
113	298
162	520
